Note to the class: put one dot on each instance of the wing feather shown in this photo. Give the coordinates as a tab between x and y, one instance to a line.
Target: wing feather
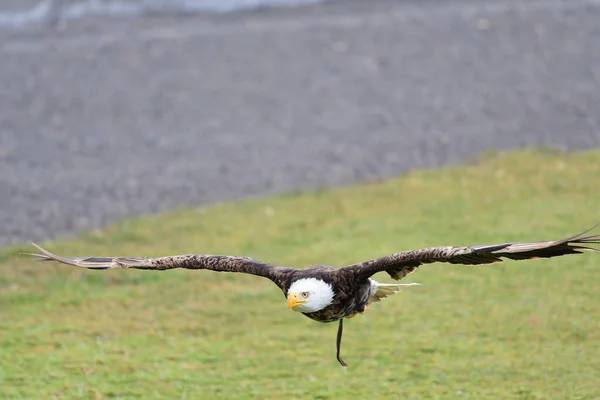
219	263
401	264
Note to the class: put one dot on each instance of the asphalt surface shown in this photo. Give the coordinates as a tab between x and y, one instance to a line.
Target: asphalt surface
109	118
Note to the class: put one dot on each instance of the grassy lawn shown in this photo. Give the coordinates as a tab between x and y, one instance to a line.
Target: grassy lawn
515	330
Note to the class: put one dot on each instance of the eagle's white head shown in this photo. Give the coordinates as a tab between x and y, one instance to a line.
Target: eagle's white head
309	295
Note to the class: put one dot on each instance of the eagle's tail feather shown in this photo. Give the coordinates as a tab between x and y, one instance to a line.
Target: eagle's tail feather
382	290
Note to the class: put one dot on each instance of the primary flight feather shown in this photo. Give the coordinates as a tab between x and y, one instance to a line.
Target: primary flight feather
328	294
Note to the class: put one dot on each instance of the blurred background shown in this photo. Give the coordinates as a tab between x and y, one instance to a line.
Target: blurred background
110	109
116	109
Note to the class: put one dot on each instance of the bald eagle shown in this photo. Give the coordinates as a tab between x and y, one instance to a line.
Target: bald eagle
328	294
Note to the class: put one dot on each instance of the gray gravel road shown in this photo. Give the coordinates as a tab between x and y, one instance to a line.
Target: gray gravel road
111	118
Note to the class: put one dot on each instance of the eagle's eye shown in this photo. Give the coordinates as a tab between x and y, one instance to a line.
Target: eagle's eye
304	295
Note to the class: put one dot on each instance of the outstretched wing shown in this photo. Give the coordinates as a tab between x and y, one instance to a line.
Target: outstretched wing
279	275
401	264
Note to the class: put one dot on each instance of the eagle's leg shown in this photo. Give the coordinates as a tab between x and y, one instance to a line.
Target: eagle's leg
339	342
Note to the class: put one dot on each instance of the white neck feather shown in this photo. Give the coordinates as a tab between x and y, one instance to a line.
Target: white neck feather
320	294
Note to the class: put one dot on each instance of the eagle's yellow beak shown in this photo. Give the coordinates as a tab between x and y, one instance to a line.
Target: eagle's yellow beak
294	301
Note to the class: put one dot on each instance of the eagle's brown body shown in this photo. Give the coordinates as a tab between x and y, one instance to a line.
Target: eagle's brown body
351	296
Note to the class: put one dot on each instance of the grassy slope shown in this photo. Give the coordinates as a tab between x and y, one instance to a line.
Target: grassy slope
515	330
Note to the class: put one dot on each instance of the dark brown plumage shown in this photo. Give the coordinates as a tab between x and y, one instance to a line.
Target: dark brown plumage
351	286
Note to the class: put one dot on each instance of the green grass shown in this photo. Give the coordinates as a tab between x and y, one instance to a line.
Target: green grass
516	330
